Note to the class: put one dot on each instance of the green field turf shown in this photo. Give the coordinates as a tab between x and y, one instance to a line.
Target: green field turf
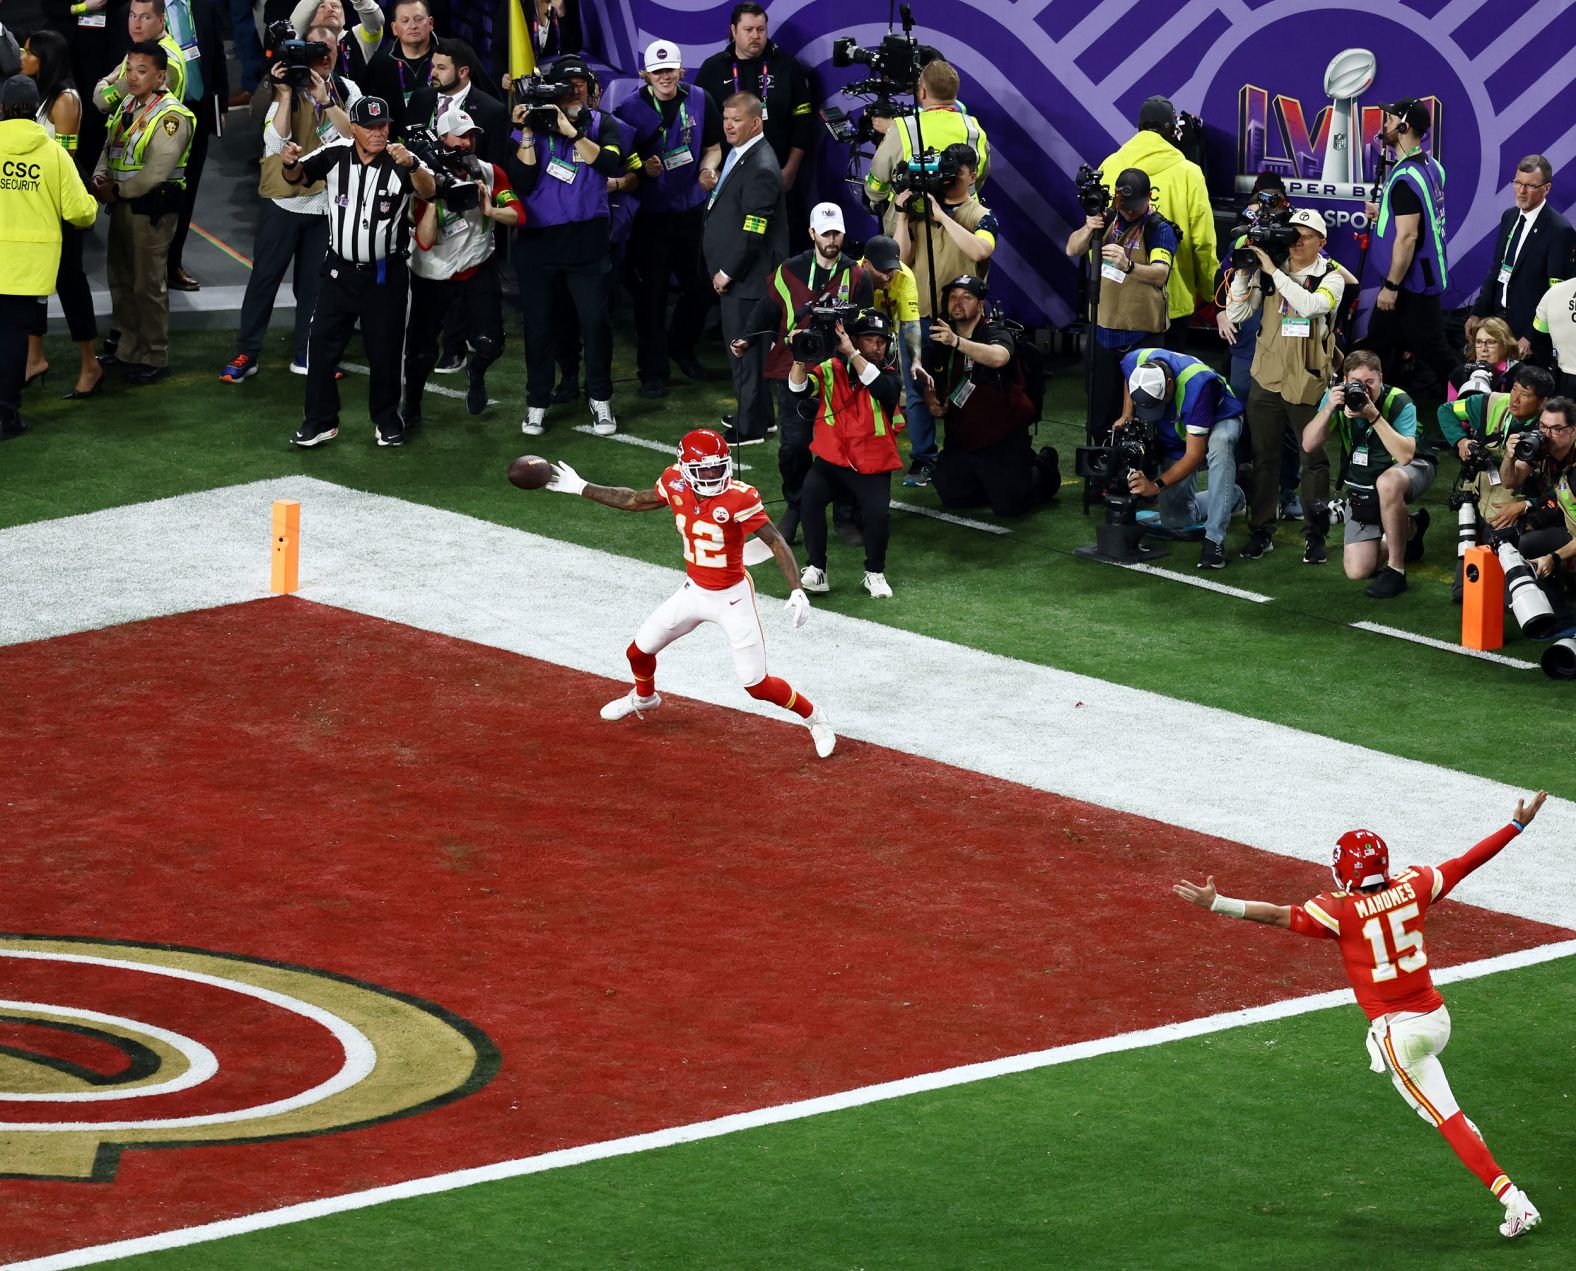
1295	660
1266	1146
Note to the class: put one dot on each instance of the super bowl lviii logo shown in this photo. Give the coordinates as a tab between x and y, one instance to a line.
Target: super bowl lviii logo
1330	154
106	1046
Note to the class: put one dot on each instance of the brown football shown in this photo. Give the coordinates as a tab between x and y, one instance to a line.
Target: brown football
530	472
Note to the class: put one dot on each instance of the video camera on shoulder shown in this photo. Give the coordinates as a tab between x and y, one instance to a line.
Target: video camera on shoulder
1267	225
295	55
540	96
928	173
816	341
454	172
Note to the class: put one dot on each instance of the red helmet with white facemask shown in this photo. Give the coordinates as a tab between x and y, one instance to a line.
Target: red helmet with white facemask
705	462
1361	860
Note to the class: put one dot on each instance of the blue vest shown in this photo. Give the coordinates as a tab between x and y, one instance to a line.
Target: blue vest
556	202
676	190
1192	378
1429	273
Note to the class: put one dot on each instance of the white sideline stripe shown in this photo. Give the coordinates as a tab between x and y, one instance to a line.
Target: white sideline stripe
1272	787
647	443
803	1109
1445	645
1208	584
439	389
949	518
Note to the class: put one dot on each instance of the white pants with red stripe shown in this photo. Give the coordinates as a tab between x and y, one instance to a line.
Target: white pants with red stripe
1408	1045
732	609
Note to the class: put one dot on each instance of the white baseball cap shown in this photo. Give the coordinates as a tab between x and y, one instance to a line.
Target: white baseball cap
455	122
662	55
1309	219
824	217
1147	387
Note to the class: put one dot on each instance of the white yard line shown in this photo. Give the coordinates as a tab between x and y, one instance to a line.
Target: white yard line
1446	646
949	518
439	389
758	1117
1208	584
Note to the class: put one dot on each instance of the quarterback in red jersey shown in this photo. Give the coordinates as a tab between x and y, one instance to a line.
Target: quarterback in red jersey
713	514
1377	918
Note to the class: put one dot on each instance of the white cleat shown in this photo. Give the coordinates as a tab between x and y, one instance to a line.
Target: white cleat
1521	1215
535	422
631	704
602	422
877	586
814	580
821	734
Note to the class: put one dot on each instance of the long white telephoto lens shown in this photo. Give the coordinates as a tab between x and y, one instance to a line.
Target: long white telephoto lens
1559	660
1534	613
1466	528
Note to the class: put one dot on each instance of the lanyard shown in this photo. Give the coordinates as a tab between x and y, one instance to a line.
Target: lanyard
127	127
683	115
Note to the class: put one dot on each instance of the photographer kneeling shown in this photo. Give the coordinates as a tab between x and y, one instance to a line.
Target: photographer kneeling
1549	546
858	415
1478	426
1383	468
977	395
1537	463
1194	414
453	262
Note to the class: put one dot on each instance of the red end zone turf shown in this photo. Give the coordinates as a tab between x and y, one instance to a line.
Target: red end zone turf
654	922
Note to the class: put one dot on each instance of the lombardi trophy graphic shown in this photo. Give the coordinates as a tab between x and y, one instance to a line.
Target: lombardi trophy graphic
1349	75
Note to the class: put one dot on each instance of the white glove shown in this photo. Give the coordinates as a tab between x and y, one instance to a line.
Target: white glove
566	480
799	607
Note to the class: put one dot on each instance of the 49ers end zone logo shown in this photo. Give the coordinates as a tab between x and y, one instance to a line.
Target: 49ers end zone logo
244	1050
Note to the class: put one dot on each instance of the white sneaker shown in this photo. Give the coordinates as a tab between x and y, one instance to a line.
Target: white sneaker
631	704
813	579
824	738
535	422
877	586
602	422
1521	1215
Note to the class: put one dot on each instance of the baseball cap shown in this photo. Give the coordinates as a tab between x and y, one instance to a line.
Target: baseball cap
1157	110
1418	117
661	55
1147	387
19	93
455	122
970	283
882	252
871	322
572	67
370	112
1309	219
824	217
1133	183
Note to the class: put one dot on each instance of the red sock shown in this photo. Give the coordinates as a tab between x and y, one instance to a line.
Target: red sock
644	665
779	693
1474	1154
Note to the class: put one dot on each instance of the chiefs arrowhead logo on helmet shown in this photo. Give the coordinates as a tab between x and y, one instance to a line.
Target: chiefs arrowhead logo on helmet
1361	860
705	462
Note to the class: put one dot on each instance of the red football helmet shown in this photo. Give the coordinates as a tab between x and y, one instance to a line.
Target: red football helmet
1361	860
705	462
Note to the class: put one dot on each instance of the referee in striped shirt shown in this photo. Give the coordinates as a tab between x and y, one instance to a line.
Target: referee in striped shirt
365	278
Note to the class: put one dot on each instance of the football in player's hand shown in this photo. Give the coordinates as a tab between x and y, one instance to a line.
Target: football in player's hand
530	472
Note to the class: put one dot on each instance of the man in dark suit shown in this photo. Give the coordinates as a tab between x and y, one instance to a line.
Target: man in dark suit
1533	250
745	239
457	81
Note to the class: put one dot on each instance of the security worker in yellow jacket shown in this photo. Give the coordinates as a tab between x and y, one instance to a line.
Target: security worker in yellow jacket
942	122
140	176
39	188
1180	195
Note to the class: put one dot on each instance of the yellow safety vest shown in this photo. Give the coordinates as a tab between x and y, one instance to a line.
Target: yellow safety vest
129	138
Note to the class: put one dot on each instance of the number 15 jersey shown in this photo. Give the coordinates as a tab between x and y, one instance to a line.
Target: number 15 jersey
712	529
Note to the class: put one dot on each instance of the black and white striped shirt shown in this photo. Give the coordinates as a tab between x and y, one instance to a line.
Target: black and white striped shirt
367	203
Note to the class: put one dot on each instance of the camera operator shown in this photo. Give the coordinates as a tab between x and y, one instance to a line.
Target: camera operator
942	122
1478	426
1383	467
1196	420
1491	355
955	234
1295	296
1552	541
857	415
354	46
565	156
978	396
454	265
1536	460
823	275
292	228
1137	245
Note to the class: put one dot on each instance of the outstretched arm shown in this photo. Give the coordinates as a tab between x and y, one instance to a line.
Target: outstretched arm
1206	897
565	480
1453	871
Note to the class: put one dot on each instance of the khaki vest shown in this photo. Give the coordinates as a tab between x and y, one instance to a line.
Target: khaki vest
271	183
1131	305
950	260
1296	370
